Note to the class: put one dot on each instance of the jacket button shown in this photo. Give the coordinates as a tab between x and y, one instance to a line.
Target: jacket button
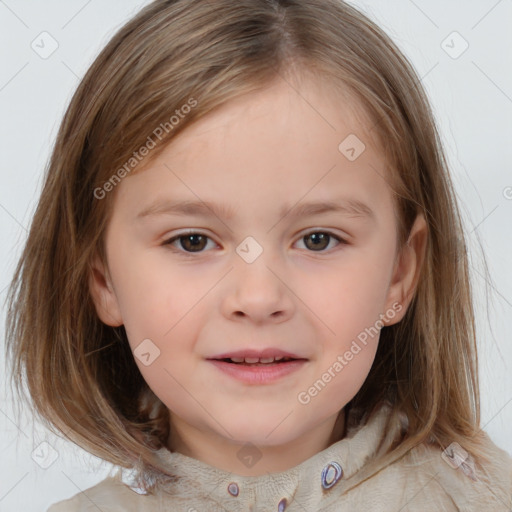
331	474
233	489
282	505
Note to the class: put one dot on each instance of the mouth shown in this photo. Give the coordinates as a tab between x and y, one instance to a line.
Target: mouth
258	371
255	361
257	366
251	357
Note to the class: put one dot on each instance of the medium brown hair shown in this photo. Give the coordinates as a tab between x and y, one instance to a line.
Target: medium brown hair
80	373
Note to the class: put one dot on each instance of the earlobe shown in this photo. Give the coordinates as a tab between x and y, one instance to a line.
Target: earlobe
407	269
103	294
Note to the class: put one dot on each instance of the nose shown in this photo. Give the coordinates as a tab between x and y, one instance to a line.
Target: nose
256	292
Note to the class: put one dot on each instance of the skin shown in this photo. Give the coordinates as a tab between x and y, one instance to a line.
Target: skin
255	155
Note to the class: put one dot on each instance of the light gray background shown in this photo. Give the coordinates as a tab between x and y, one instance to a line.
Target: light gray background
471	96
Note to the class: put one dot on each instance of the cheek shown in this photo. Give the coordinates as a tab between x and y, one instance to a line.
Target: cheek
351	306
153	296
349	310
160	319
354	292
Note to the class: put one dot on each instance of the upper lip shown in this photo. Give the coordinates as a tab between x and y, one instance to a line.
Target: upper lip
261	354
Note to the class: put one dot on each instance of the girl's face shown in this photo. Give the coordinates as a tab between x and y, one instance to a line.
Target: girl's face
258	273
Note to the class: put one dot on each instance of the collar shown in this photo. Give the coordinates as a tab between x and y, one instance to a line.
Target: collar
341	466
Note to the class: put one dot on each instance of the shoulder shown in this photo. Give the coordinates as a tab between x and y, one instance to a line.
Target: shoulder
109	495
454	475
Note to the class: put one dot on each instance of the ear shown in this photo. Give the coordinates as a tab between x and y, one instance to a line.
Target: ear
407	271
103	294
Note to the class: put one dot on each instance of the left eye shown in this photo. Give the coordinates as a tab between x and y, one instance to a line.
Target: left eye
320	239
194	242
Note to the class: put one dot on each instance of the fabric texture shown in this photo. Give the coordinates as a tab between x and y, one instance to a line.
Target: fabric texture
347	476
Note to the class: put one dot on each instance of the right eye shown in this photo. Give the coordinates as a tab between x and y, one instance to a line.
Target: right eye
190	242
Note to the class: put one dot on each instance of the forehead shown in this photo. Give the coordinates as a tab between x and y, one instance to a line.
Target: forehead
288	141
293	106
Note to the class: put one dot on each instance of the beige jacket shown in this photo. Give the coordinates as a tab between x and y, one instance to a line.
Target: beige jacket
340	478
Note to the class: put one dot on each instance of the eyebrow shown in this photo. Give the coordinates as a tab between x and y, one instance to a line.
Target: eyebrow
349	207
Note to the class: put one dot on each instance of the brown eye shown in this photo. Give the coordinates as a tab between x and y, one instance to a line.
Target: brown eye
193	243
189	242
318	241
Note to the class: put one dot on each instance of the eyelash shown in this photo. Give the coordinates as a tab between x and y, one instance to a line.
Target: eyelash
170	241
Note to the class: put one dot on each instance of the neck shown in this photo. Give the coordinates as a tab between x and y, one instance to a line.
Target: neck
248	459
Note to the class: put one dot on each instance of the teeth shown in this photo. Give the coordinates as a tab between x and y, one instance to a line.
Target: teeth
254	360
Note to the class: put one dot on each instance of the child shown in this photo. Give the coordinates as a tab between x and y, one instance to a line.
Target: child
246	277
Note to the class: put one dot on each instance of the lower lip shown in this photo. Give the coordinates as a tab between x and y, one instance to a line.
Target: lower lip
260	374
